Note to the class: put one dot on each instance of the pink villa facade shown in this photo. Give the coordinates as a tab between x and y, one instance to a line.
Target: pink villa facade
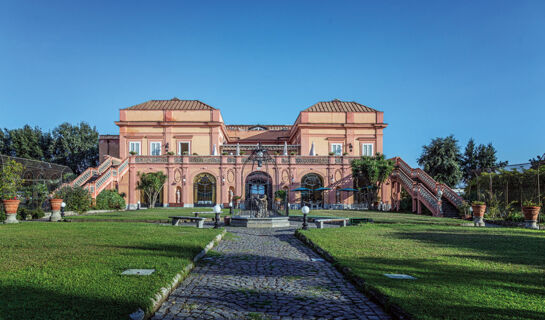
206	160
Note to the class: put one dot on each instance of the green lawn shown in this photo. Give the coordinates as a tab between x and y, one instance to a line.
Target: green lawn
72	270
148	215
382	217
463	272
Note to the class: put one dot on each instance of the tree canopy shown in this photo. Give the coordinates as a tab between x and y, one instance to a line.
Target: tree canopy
75	146
151	184
372	171
441	160
478	158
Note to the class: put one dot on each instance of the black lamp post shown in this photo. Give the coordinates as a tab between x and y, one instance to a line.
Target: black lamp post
217	211
305	211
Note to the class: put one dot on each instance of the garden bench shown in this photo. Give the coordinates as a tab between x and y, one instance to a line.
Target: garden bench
320	222
196	213
199	221
356	221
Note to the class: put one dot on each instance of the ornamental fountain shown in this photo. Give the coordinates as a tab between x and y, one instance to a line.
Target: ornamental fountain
257	212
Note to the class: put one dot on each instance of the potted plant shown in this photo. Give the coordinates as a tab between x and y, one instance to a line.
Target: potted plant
331	153
292	153
464	211
170	153
11	182
479	207
56	203
530	209
133	153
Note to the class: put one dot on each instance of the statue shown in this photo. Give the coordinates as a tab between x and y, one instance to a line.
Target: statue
260	206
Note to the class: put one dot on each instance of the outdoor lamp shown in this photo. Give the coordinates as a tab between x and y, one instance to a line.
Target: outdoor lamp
231	208
62	208
217	211
305	210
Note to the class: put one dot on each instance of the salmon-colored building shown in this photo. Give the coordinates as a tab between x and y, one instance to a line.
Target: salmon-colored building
207	161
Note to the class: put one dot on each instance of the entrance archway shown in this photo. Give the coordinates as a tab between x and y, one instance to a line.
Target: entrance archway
312	181
204	190
259	183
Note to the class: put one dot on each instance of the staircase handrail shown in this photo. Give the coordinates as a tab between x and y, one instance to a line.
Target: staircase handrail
429	182
105	165
422	192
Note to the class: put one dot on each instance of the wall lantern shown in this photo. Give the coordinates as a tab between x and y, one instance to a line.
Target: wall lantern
350	147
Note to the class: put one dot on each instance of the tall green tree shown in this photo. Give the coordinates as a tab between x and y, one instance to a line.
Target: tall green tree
373	172
151	184
479	158
28	143
441	160
75	146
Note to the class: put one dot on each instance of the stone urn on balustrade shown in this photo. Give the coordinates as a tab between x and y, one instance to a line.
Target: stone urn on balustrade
55	210
479	209
11	206
531	212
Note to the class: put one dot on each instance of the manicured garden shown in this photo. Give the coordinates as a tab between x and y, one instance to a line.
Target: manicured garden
462	272
381	217
147	215
73	270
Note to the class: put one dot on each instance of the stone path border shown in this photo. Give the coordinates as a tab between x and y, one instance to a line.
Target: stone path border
357	281
164	292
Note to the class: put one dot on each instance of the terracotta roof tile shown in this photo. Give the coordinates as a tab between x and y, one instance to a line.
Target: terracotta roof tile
172	104
338	106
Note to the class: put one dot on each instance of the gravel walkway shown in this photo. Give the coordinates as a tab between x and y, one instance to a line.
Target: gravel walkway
266	274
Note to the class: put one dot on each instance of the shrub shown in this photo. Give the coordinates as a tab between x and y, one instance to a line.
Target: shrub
110	200
11	180
76	198
478	203
34	213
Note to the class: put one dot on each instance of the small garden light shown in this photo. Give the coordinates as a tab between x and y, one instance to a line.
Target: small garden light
305	210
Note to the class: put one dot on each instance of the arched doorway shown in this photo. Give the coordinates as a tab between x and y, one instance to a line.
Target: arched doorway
204	190
259	183
312	181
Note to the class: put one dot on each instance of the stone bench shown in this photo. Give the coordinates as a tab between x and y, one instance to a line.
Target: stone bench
320	222
196	213
199	221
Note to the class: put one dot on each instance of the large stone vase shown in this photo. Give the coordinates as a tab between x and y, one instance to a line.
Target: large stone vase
530	215
55	210
10	206
478	214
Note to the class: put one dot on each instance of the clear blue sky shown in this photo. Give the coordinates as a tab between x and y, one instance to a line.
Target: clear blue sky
468	68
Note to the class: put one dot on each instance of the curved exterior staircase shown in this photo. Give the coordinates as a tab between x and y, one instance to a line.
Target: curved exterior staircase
105	176
439	198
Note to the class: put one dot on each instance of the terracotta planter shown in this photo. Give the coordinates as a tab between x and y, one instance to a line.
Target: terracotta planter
531	212
10	206
56	204
478	210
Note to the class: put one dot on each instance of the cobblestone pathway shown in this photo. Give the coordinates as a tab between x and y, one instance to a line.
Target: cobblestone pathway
266	274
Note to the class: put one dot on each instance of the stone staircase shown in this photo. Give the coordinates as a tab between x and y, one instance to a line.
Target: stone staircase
439	198
110	171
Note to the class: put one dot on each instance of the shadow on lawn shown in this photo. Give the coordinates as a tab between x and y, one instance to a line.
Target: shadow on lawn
154	249
517	247
27	302
441	286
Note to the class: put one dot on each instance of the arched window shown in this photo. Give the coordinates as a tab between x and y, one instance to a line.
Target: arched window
312	181
204	190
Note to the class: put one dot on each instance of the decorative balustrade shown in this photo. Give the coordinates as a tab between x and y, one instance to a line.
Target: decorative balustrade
103	179
105	165
151	159
123	166
429	182
204	159
430	198
312	160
